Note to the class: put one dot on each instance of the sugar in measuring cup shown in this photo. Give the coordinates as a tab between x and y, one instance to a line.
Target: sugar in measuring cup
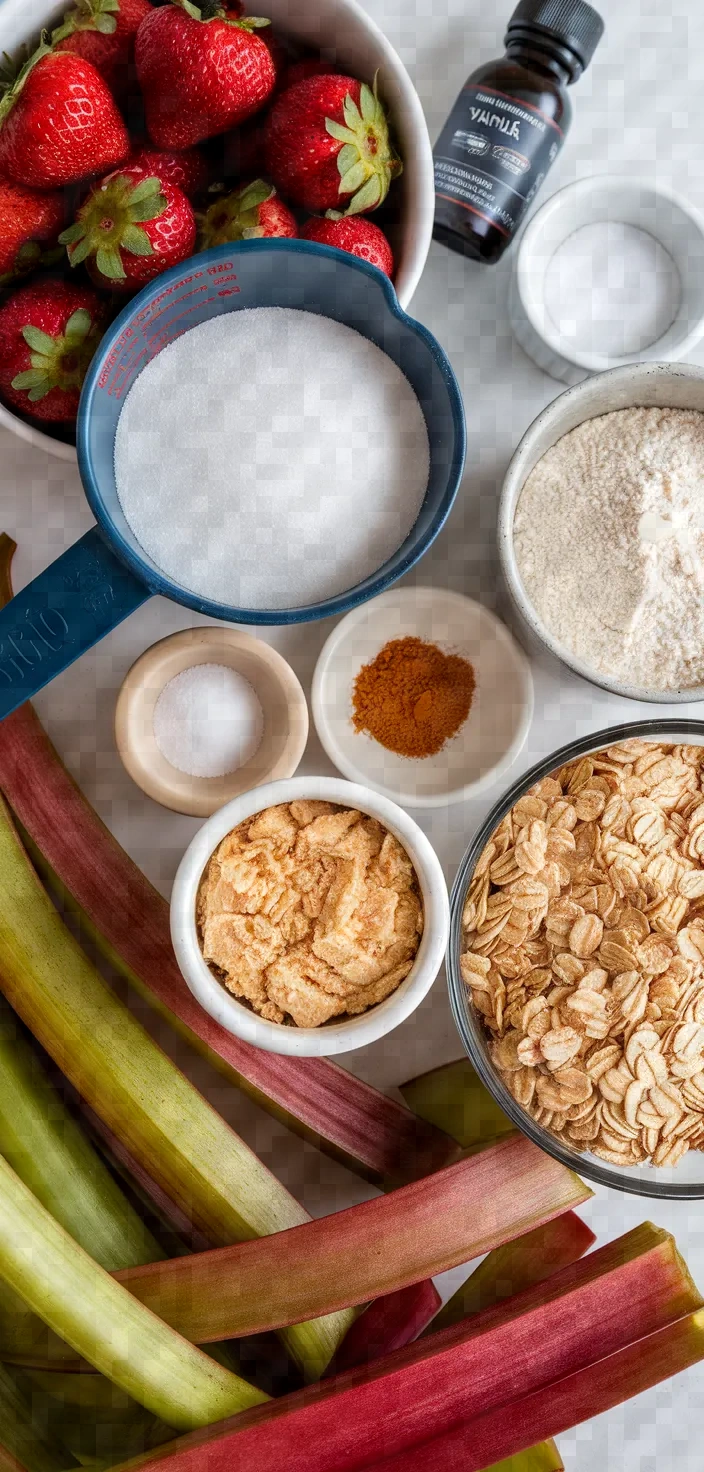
107	575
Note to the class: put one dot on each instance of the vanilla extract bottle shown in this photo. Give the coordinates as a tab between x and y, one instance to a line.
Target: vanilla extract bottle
508	126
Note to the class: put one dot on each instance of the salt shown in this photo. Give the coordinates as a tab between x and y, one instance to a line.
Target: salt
208	721
611	288
271	458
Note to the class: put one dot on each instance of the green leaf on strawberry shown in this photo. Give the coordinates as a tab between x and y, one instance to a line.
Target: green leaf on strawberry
367	161
207	10
109	222
88	15
57	362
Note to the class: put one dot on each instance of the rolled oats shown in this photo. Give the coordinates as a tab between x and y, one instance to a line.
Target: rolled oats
584	952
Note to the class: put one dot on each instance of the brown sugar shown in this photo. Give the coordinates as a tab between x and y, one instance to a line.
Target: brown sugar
413	697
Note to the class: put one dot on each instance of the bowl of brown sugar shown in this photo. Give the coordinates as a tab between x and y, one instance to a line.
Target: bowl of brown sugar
310	916
423	695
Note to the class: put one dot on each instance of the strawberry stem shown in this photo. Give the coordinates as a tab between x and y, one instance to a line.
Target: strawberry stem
88	15
207	10
367	161
57	362
110	222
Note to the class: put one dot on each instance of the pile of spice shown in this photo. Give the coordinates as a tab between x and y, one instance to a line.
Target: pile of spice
208	721
413	698
617	504
271	458
309	911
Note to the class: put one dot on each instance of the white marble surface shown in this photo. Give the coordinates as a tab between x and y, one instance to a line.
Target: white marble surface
640	108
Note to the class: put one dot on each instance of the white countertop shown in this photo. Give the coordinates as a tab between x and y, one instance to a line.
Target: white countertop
640	109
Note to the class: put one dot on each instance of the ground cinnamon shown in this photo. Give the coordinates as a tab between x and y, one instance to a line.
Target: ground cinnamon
412	697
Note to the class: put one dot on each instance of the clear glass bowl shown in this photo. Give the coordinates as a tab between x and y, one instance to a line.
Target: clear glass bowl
683	1182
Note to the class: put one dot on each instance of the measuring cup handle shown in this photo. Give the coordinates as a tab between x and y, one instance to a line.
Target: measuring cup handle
71	605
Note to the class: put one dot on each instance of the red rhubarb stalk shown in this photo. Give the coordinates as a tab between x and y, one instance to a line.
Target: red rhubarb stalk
553	1408
616	1295
389	1323
421	1229
517	1265
347	1118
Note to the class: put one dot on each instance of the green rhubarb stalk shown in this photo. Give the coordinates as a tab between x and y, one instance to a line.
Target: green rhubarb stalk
49	1152
126	1078
20	1434
105	1324
541	1458
517	1265
454	1099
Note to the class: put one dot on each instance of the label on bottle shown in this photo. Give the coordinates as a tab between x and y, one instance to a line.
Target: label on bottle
493	155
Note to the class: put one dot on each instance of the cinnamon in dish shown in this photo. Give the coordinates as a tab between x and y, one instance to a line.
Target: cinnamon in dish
413	698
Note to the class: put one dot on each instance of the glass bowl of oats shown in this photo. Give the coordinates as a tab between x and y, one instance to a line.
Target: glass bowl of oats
576	956
310	916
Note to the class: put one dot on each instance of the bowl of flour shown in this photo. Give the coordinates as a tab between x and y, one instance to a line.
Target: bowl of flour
601	531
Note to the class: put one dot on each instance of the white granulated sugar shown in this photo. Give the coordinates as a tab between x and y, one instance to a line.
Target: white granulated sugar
612	288
271	458
609	538
208	721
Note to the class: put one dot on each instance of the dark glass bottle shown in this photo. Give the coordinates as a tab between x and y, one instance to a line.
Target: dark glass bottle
508	125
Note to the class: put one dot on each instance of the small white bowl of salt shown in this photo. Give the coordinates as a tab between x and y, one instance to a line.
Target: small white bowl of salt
609	271
207	714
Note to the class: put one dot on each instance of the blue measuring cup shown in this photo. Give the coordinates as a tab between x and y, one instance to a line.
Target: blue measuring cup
107	574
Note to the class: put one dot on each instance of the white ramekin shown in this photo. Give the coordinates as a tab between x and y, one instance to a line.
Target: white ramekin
638	385
667	216
334	1037
340	28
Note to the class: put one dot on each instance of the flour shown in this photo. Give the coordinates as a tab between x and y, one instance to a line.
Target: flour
609	539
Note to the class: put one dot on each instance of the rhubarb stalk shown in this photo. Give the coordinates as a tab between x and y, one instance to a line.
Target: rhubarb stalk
49	1152
596	1307
129	919
425	1227
122	1073
565	1402
105	1324
389	1323
517	1265
20	1435
454	1099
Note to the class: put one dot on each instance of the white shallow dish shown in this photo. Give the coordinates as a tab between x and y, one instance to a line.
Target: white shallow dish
334	1037
667	216
649	385
497	725
348	35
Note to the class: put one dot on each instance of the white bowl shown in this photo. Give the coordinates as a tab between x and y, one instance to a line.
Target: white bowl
491	737
661	213
340	27
649	385
334	1037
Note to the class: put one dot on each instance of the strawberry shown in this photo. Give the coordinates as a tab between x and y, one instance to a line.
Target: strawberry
354	234
48	334
103	32
201	71
188	169
328	144
310	66
28	221
251	213
59	122
130	228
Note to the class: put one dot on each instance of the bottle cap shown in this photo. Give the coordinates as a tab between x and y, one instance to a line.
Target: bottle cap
571	25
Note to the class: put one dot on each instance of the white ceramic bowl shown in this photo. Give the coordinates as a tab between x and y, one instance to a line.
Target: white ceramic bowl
673	222
491	737
334	1037
638	385
279	693
344	31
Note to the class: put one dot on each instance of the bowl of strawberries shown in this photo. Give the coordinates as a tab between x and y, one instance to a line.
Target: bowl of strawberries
136	133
